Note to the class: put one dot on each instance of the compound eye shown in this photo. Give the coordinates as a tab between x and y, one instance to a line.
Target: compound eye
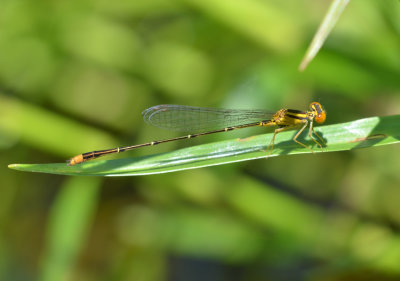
317	108
321	117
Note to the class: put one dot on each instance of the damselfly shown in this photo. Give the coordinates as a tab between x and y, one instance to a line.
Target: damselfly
214	120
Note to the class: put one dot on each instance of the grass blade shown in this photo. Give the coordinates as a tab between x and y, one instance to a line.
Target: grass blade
331	17
368	132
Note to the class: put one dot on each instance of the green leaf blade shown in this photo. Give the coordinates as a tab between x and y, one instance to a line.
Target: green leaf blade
368	132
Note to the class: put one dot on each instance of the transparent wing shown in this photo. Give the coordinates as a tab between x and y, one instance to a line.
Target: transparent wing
192	119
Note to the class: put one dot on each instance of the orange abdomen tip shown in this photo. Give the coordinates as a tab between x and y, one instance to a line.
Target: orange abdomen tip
76	160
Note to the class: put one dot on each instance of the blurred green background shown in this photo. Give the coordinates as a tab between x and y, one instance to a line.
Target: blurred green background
75	76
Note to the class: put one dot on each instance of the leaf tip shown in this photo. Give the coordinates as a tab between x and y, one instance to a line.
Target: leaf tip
14	166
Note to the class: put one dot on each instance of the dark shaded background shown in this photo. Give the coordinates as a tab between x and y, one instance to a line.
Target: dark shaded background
75	76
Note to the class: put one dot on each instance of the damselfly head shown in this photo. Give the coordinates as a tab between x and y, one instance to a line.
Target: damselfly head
320	113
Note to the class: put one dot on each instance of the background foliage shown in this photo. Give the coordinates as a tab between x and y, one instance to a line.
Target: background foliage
75	75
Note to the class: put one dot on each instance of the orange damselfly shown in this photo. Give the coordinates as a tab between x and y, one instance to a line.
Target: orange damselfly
215	120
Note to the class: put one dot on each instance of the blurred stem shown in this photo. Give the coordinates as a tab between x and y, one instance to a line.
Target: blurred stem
331	17
69	223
